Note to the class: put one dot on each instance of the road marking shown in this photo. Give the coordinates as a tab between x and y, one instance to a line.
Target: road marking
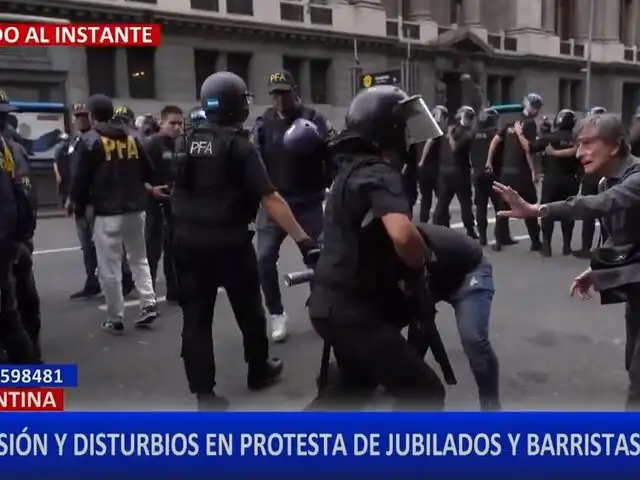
136	302
56	250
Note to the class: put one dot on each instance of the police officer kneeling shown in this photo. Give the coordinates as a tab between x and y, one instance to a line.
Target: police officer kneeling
370	245
219	183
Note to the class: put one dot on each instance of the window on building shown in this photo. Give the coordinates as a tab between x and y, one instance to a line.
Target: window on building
626	23
293	65
240	64
205	64
141	69
208	5
319	73
455	10
565	19
240	7
101	66
506	89
570	94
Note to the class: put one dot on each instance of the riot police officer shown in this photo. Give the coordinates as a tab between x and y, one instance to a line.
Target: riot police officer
219	181
482	176
356	303
561	170
429	165
455	170
518	169
589	186
293	175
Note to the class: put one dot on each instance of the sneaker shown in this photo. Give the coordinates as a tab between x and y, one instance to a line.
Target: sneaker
115	328
279	327
147	316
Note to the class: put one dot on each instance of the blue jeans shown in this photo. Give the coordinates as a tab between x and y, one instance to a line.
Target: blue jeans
472	304
309	215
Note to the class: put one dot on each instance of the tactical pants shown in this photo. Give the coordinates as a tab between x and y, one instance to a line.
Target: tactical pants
27	297
523	184
556	188
632	347
458	185
158	236
483	186
370	351
201	270
13	336
84	230
589	186
428	183
309	215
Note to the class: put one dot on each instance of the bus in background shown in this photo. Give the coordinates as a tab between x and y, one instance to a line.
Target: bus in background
40	124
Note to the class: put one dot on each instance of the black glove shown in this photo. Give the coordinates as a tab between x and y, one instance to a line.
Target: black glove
310	250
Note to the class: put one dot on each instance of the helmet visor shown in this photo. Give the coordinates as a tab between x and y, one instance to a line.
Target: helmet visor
420	124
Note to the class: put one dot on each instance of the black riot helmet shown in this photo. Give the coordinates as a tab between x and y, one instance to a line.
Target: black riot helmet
389	119
488	118
466	116
532	104
565	120
597	111
225	98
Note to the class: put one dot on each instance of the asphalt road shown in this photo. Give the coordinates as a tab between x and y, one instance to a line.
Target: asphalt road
555	352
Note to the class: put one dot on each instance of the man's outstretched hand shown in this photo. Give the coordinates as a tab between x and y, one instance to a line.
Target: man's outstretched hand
519	207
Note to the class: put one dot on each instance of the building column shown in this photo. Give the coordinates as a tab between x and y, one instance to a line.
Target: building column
304	82
471	13
419	10
607	23
635	18
549	15
527	15
122	81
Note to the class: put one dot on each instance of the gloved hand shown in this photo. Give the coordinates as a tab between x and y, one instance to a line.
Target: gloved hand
310	250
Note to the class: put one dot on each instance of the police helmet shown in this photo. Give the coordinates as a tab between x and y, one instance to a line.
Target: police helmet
303	137
440	114
488	118
225	98
466	116
532	104
388	118
597	111
565	120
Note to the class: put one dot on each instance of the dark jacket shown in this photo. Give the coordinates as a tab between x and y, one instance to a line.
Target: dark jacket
112	168
156	146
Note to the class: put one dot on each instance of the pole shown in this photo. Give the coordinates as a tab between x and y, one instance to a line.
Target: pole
587	90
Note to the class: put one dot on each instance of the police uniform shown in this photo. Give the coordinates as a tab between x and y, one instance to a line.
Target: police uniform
219	181
483	179
561	177
113	169
356	305
299	178
455	174
17	224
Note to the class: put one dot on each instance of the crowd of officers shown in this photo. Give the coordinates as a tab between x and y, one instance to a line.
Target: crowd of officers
141	187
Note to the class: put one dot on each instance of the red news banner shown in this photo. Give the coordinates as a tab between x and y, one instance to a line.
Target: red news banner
31	399
85	35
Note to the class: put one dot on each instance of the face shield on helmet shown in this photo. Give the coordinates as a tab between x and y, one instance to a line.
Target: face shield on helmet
419	123
532	105
466	117
440	115
597	111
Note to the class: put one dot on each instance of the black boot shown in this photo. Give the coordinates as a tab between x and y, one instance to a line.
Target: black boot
210	402
583	253
545	248
482	234
566	247
264	374
472	233
536	245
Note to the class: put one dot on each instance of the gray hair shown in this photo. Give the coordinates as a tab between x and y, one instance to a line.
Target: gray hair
609	129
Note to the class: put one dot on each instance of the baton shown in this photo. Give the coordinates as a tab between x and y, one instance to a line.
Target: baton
298	278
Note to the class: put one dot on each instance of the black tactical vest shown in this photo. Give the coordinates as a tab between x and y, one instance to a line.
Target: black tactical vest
561	166
357	256
209	202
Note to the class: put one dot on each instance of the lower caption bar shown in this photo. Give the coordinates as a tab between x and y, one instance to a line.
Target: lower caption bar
31	399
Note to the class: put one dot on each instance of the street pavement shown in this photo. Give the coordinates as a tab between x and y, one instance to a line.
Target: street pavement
555	352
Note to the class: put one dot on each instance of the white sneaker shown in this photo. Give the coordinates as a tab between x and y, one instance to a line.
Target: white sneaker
279	327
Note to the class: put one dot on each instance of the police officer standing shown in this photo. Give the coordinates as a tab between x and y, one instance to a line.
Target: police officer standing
482	176
219	183
455	171
293	175
589	186
429	163
561	170
159	222
518	170
370	247
13	231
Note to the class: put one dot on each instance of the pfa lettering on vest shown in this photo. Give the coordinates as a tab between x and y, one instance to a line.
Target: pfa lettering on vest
120	149
200	148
